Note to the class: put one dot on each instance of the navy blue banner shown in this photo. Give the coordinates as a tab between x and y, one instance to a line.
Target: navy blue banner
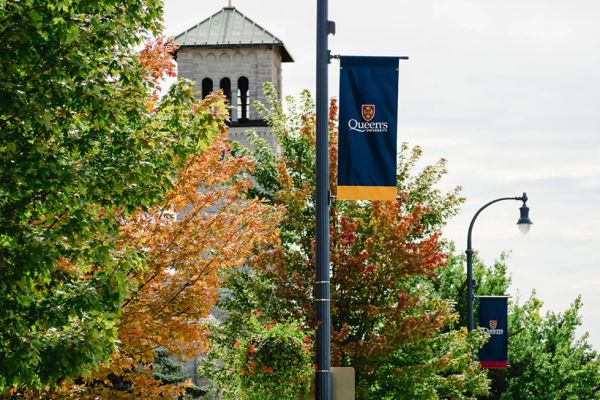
368	128
493	319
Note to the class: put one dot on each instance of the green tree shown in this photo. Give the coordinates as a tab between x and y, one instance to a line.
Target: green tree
451	281
387	321
82	146
547	359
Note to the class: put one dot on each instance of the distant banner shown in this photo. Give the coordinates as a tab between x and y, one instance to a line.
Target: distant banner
493	319
367	128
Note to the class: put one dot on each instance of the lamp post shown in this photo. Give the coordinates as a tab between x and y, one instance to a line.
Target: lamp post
322	295
524	224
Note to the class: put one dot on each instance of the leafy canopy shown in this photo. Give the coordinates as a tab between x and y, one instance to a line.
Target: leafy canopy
82	146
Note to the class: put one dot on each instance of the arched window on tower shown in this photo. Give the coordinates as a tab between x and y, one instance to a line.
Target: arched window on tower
207	87
243	99
225	85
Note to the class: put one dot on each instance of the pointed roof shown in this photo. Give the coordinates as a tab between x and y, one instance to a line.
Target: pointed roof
230	28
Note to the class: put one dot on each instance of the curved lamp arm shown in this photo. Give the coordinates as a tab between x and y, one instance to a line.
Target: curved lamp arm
522	198
470	283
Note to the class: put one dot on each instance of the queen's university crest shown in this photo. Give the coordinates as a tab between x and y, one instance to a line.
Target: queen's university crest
493	324
367	112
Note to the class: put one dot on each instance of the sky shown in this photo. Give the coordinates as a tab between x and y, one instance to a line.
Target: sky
508	92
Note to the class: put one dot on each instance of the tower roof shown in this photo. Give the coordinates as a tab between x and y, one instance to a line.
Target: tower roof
230	28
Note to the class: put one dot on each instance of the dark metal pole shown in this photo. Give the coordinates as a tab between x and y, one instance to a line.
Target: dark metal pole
323	381
470	283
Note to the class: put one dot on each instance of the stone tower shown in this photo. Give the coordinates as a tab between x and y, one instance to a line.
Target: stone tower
229	51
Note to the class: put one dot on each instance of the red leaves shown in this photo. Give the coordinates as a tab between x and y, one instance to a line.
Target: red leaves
347	232
266	369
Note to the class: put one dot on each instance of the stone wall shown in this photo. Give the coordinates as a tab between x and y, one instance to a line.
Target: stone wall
239	135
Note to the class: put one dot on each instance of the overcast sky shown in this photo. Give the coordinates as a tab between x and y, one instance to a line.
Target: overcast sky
507	91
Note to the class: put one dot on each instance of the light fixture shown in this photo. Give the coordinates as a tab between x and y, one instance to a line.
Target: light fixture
524	222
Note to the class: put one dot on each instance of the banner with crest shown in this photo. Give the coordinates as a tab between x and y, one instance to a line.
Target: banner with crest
368	128
493	319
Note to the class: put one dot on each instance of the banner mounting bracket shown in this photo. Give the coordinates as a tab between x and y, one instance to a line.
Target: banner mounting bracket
331	27
338	56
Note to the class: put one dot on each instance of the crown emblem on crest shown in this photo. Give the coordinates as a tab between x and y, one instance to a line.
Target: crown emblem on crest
493	324
367	112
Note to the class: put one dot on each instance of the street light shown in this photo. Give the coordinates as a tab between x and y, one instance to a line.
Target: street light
524	224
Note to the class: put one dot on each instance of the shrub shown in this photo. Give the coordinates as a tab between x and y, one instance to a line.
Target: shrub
273	361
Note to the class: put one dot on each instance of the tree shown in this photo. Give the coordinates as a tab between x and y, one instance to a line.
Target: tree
205	225
82	146
547	359
387	321
451	281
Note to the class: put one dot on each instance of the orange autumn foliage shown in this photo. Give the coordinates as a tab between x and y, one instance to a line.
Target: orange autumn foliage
156	59
205	225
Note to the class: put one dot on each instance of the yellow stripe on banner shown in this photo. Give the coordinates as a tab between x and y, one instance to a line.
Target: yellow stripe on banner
366	193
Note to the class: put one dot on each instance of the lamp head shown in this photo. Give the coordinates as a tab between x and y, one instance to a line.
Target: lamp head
524	222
